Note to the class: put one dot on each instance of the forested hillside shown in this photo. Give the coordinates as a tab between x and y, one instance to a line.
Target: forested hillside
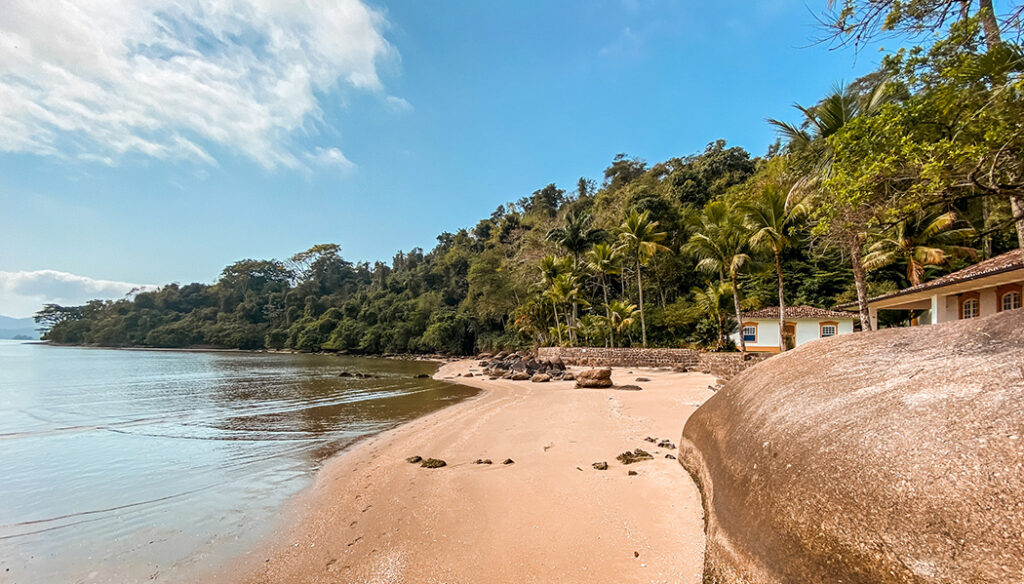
897	178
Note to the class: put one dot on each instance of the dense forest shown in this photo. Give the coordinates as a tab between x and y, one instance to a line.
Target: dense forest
897	178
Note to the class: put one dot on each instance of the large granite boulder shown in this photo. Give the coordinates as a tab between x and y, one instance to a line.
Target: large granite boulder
873	458
594	378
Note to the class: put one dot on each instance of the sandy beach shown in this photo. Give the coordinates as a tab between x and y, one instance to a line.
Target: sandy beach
548	517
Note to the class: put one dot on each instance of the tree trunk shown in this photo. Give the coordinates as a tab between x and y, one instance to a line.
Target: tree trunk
607	311
860	279
558	327
989	23
993	37
1017	208
782	305
640	290
575	324
736	304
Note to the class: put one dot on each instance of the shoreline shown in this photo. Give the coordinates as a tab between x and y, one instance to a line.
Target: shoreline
429	358
370	516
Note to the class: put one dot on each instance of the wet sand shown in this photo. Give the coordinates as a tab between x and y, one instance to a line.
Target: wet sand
549	517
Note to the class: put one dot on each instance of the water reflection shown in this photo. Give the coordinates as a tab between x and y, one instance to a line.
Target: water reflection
125	466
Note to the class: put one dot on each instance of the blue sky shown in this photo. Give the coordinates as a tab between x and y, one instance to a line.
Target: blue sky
183	138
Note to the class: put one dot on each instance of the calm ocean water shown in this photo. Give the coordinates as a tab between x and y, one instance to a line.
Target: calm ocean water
143	466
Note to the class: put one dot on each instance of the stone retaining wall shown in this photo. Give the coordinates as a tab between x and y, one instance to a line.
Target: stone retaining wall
727	365
722	365
604	357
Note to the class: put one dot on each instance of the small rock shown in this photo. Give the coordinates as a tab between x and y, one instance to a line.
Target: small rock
642	379
670	457
520	376
649	439
468	375
636	554
433	463
600	465
637	455
414	459
568	376
628	387
540	378
632	473
666	444
509	461
344	374
422	376
482	461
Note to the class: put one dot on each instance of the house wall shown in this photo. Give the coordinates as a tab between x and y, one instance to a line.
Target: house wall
989	303
806	330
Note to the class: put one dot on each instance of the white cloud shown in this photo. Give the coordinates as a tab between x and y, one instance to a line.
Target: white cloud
397	104
330	157
99	79
23	293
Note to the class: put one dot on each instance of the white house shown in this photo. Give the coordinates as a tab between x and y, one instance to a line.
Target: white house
760	328
984	288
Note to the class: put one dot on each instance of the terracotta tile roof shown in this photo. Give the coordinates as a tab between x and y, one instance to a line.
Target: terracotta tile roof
772	312
1007	262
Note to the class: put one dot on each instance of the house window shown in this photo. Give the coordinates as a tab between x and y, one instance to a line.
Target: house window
750	333
1011	300
828	330
970	309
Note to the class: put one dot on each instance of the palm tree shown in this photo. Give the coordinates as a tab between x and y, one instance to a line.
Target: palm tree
711	301
640	236
551	268
577	234
621	315
604	260
770	220
811	147
529	319
920	241
722	248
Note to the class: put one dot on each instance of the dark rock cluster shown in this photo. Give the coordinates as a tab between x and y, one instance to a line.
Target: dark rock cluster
522	366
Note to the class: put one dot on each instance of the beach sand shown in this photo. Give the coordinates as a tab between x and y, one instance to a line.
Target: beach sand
549	517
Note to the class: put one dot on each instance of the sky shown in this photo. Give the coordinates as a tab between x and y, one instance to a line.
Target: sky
152	141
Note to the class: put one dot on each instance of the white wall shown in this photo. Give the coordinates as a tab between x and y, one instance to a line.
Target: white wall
806	330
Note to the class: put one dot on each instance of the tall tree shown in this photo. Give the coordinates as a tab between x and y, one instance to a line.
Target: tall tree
769	220
604	260
551	268
862	21
641	239
813	151
710	301
723	247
